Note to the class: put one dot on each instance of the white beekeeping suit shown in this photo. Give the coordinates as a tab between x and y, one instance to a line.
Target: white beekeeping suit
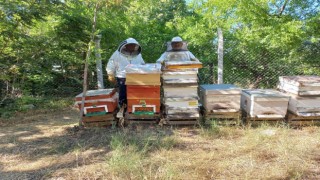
124	56
177	51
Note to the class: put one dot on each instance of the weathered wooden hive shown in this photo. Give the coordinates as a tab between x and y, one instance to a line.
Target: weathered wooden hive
264	104
143	89
180	91
220	97
304	92
300	85
99	106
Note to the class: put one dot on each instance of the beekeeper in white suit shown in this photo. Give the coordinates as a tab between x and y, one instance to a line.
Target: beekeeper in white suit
129	52
177	51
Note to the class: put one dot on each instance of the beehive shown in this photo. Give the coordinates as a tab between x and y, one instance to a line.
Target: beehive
300	85
147	74
180	91
220	97
143	98
259	103
304	106
143	88
97	102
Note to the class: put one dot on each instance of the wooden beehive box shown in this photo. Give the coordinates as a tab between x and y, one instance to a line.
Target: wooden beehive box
176	91
185	108
264	104
182	112
220	97
300	85
143	98
98	102
180	77
182	64
143	79
304	106
147	74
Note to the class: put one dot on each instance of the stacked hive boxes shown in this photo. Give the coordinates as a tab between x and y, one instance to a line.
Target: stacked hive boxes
143	89
99	106
180	91
221	101
305	94
264	104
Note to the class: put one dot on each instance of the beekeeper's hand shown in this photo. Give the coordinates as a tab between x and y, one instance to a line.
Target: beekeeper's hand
111	78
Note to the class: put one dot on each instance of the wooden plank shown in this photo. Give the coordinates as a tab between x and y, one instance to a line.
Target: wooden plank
97	94
131	116
225	110
182	122
223	122
107	117
183	66
139	121
219	89
271	116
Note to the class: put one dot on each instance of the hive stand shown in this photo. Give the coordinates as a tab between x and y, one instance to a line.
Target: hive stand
254	121
221	117
99	121
295	120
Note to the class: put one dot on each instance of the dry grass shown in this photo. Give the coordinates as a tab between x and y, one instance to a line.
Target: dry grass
46	146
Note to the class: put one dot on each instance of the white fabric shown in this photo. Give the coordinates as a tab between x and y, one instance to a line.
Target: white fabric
119	60
176	39
151	68
177	56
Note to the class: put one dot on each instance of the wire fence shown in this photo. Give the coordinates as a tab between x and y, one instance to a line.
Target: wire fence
258	67
246	67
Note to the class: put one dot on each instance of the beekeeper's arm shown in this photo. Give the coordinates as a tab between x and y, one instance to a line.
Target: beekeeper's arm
111	67
141	59
162	58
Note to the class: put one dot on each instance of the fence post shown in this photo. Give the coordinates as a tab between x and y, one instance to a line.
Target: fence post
220	56
98	62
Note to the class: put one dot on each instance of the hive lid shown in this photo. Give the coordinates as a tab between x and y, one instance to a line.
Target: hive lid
98	92
301	80
150	68
182	64
264	93
220	89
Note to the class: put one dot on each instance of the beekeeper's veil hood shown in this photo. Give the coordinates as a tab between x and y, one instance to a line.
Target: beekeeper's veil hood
123	47
177	39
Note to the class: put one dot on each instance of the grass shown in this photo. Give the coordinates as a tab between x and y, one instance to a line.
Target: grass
45	145
23	104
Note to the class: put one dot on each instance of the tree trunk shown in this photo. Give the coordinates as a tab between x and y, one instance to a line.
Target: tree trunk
85	76
220	57
98	62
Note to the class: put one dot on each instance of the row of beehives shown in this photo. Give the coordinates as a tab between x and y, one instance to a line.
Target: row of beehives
180	98
299	95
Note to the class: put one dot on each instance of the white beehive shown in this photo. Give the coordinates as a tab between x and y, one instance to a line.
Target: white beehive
304	106
260	103
300	85
220	97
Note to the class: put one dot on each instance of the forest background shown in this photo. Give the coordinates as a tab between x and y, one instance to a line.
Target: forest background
43	44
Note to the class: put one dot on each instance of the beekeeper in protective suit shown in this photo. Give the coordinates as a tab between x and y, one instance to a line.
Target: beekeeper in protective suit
129	52
177	51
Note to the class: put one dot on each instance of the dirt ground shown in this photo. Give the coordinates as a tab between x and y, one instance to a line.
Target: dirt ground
46	145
